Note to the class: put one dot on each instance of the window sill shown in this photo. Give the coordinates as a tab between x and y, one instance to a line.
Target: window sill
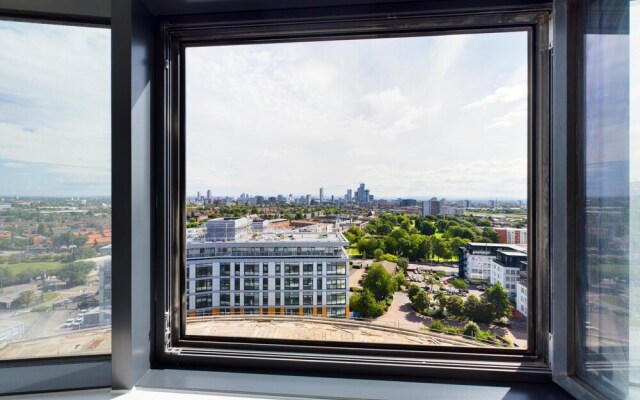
223	384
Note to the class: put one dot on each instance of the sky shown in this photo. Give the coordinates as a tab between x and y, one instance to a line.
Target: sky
55	119
415	117
438	116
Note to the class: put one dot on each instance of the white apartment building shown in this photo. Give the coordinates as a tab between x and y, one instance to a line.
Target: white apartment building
475	259
292	273
506	268
521	297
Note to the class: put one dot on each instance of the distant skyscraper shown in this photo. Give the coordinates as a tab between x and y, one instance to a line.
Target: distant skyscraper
308	199
431	207
467	203
198	196
492	204
362	195
349	195
209	195
321	195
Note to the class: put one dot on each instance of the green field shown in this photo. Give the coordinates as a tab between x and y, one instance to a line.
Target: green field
35	267
522	215
353	252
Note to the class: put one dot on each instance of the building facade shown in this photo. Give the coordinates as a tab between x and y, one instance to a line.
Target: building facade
285	274
521	297
512	235
506	268
475	259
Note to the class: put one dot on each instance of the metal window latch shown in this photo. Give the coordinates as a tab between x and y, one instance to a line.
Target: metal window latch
166	64
168	348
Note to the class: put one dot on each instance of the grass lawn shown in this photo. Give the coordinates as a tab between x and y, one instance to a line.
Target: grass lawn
41	266
496	215
49	296
352	252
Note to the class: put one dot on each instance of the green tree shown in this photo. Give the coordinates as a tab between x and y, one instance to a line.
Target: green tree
427	228
455	307
461	232
441	301
458	284
403	263
413	291
379	282
356	232
442	225
368	245
439	246
82	252
400	280
471	329
377	254
406	248
391	245
455	243
26	298
399	233
478	310
76	273
365	303
421	302
491	235
498	297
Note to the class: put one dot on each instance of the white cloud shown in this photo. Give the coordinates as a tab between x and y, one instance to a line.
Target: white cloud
505	94
14	165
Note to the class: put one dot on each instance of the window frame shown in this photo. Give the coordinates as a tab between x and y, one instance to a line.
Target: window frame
34	375
302	25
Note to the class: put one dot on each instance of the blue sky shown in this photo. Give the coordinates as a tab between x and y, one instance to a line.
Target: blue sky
428	116
55	122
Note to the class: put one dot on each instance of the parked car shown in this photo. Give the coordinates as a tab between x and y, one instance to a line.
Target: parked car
68	323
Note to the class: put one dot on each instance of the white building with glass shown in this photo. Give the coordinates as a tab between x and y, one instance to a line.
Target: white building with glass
277	273
476	259
506	268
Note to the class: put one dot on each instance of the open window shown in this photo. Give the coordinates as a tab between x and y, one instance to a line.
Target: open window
325	100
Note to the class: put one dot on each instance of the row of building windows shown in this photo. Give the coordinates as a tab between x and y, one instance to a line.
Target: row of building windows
253	269
253	299
204	285
203	252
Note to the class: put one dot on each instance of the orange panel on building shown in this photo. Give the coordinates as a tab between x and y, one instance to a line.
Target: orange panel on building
272	311
324	311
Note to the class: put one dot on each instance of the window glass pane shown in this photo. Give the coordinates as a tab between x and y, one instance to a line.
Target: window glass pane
371	173
609	312
55	184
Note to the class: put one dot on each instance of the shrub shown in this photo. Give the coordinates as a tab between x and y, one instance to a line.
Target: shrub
471	329
437	326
